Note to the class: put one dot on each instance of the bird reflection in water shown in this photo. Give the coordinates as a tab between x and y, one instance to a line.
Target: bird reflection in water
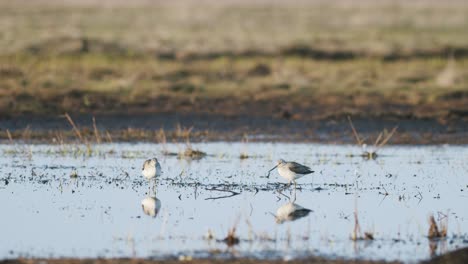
151	206
290	211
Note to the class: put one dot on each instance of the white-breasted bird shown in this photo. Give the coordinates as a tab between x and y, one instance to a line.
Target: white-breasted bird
151	169
291	170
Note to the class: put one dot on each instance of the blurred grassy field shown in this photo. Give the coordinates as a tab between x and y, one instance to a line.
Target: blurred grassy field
328	56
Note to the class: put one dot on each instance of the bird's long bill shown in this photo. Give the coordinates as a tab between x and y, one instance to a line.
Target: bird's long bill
268	175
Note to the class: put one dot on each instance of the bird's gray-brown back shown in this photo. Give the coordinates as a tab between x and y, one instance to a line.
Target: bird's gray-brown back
298	168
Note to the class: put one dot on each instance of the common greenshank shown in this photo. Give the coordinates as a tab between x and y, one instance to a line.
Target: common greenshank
291	170
151	169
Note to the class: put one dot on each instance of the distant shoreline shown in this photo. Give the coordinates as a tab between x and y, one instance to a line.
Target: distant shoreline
212	127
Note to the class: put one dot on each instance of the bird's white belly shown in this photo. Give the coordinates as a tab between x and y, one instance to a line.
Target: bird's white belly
149	173
287	174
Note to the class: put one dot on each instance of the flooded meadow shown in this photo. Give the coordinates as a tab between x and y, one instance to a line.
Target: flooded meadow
78	201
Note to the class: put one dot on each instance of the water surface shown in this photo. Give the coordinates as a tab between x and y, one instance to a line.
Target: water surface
48	213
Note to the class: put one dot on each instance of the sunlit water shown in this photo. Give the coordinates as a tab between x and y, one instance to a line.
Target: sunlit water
47	213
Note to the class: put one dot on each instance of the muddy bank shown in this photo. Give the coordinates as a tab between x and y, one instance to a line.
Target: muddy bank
459	256
195	261
77	46
212	127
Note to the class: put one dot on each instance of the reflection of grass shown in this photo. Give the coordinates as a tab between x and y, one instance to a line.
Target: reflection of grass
437	230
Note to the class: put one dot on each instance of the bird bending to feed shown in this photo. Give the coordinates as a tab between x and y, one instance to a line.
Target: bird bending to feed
291	170
151	169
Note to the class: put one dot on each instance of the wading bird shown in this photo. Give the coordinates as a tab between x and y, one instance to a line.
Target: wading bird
151	170
291	170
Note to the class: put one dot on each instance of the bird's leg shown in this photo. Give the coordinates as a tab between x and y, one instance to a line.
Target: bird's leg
154	186
295	185
285	186
281	193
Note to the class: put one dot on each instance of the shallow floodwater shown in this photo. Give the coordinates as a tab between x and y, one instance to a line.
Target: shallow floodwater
47	212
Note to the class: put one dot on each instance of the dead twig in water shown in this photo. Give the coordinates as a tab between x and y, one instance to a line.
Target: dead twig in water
419	196
233	193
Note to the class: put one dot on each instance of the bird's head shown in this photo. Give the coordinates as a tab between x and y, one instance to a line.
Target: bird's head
280	161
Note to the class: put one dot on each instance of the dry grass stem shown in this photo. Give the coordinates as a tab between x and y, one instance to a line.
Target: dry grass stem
437	230
10	138
108	137
75	128
96	131
356	135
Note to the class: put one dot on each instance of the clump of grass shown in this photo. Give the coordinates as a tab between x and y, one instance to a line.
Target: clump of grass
26	134
437	231
447	77
182	132
161	137
193	153
231	239
381	140
244	154
189	151
82	139
74	174
209	235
